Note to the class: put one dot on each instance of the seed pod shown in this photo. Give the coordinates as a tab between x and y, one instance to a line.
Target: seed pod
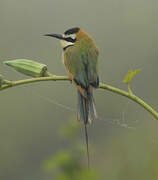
28	67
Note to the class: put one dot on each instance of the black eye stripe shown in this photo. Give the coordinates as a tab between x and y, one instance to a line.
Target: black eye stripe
69	39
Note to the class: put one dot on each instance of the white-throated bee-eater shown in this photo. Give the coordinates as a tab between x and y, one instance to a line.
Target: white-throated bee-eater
80	57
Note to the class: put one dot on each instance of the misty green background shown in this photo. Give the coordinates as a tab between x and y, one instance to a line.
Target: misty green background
125	136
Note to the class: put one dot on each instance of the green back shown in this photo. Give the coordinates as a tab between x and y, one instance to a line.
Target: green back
81	62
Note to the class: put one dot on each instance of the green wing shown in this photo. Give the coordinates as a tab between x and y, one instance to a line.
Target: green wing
82	64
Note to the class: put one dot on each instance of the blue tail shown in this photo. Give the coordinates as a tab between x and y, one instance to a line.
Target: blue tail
86	107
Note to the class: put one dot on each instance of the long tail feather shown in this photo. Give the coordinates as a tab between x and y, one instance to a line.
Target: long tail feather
87	113
87	145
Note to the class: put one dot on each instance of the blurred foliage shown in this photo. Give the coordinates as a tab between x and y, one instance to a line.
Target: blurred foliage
70	130
69	164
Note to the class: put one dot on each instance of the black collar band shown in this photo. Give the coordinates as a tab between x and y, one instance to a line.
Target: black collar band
67	47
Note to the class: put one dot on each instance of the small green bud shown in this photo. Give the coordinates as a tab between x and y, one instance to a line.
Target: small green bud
28	67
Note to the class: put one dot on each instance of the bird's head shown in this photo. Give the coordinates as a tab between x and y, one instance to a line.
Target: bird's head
69	38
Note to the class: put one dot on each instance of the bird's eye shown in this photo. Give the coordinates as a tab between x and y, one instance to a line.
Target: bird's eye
70	38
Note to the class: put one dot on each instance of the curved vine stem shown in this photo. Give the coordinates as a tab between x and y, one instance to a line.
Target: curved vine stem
130	95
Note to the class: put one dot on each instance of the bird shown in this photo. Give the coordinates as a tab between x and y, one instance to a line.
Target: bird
80	58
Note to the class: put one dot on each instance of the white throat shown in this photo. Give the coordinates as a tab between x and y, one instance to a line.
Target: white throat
65	44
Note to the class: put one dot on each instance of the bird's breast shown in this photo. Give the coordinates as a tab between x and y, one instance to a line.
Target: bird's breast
62	58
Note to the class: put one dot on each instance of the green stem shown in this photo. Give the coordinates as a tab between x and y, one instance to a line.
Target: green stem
129	89
101	85
33	80
132	97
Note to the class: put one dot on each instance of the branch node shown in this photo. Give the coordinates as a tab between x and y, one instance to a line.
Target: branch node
129	89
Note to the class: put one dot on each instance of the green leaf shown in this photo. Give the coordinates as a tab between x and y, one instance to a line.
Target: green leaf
28	67
130	75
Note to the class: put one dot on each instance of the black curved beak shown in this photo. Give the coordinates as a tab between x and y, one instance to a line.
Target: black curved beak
58	36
